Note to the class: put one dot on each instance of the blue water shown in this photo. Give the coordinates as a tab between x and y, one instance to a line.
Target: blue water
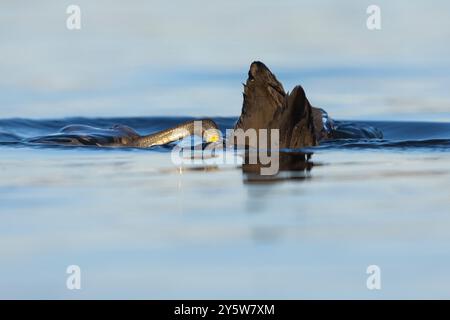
141	227
395	134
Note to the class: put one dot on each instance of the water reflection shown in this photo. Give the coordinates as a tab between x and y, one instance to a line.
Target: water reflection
292	166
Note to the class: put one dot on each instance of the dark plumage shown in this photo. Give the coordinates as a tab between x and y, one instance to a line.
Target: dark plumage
267	106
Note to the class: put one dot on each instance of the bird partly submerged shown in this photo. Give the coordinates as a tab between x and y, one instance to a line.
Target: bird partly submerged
266	106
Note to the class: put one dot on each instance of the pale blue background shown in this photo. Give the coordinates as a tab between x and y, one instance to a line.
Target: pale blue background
190	57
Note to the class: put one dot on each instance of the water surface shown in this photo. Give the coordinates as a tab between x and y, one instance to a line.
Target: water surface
141	227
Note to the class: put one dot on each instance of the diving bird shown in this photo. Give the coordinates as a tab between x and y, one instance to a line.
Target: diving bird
266	106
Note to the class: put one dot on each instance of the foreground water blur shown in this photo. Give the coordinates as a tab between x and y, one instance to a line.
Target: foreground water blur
141	227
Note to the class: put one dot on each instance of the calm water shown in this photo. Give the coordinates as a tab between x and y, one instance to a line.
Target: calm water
141	227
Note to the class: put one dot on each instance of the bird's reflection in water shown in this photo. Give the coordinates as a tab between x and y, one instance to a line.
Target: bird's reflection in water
292	166
261	190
